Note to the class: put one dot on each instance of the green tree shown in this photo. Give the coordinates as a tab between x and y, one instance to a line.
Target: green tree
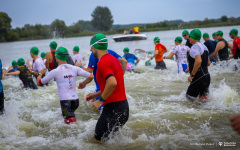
58	28
75	28
5	25
12	35
102	18
224	19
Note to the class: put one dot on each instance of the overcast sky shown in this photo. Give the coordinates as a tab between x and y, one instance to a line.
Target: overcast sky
124	11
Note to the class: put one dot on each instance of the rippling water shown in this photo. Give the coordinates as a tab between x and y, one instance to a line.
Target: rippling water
160	115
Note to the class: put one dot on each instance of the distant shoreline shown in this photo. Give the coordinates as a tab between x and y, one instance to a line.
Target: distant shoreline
112	32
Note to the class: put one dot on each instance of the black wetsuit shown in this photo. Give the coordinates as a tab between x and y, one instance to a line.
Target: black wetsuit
223	53
189	45
201	80
26	78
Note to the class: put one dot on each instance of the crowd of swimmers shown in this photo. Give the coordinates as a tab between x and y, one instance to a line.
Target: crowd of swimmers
107	68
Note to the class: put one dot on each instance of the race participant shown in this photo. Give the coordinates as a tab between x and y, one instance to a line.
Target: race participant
112	95
13	68
92	68
65	76
158	54
214	37
77	57
221	48
131	58
181	54
25	74
211	45
43	56
51	62
38	64
185	35
236	44
198	67
1	91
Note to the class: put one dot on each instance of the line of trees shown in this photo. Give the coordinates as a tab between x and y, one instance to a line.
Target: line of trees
102	21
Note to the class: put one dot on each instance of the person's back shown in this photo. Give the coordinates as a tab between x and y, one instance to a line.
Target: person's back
201	49
108	64
130	58
38	65
181	53
65	76
77	58
26	77
211	45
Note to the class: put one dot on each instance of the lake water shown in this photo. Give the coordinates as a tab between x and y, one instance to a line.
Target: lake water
160	115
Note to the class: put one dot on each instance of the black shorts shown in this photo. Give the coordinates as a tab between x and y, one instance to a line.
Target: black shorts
1	102
199	86
160	65
69	107
113	117
31	85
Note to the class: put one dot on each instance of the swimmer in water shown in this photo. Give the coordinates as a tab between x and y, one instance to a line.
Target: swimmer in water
198	67
65	75
25	74
131	58
181	54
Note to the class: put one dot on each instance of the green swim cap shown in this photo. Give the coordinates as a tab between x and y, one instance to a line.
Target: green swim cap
196	34
185	32
14	63
157	40
234	32
205	35
214	34
76	49
126	50
178	39
62	53
43	54
21	62
148	63
219	32
34	50
99	41
53	45
4	69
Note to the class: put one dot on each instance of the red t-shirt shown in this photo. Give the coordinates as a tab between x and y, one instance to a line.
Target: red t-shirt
160	48
236	43
107	66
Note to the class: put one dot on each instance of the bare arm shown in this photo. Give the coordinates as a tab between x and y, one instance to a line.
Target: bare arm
123	63
9	68
155	54
169	56
48	57
13	73
208	62
137	61
219	46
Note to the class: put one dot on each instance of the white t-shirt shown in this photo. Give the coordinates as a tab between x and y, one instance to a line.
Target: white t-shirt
181	53
77	58
65	76
197	49
38	65
44	60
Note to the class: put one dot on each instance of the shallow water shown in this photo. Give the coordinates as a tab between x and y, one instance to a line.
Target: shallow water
160	115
